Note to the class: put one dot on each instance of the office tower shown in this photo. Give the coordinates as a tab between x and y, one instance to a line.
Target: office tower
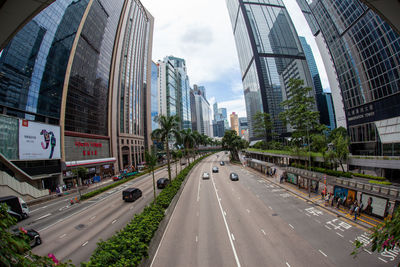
331	112
319	93
174	90
201	111
234	122
365	51
66	73
154	96
269	54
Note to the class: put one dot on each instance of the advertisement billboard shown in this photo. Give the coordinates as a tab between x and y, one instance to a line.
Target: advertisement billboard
38	141
374	205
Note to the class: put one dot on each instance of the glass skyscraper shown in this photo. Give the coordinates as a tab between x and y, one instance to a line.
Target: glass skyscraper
69	68
154	95
269	54
366	54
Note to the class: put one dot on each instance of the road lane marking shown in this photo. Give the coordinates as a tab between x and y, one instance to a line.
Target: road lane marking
233	237
93	217
197	239
226	225
328	227
287	264
270	207
322	253
382	259
84	244
225	213
131	208
113	221
248	211
351	241
63	235
263	232
369	252
44	216
317	221
291	226
339	234
198	191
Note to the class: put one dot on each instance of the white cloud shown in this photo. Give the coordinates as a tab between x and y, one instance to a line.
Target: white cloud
236	105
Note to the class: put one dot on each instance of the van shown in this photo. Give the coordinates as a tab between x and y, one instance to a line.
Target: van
131	194
16	207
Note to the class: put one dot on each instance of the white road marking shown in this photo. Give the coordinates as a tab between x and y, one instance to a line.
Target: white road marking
322	253
198	191
291	226
263	232
317	221
300	210
225	213
113	221
233	237
369	252
226	226
197	239
382	259
287	264
131	208
84	244
308	215
44	216
339	234
351	241
248	211
239	198
63	208
270	207
328	227
93	217
63	235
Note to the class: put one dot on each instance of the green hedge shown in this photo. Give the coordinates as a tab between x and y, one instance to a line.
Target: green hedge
130	245
378	178
379	182
114	184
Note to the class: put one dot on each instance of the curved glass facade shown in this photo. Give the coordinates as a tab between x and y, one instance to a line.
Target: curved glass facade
33	65
269	53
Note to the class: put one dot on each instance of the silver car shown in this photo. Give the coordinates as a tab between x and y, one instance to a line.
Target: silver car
206	175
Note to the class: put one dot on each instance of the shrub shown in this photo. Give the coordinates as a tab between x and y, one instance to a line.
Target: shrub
378	178
129	246
379	182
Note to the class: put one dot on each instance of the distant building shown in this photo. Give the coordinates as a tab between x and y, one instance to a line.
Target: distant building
332	121
243	126
234	122
174	90
154	96
200	111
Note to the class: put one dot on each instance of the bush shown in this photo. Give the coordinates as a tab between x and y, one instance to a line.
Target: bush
323	170
379	182
129	246
378	178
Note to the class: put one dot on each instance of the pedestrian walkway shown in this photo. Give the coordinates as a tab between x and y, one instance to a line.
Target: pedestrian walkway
363	220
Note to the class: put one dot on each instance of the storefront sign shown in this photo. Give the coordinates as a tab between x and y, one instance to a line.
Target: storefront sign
374	205
79	148
38	140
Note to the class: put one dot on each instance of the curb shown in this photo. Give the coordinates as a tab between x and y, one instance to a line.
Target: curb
315	203
155	241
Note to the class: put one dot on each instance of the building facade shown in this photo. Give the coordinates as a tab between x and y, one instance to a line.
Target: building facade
234	122
58	74
269	54
201	111
365	51
154	96
331	111
243	126
174	90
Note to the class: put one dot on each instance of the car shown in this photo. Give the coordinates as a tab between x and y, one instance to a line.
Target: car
131	194
234	176
215	169
222	163
33	236
206	175
117	177
162	183
183	163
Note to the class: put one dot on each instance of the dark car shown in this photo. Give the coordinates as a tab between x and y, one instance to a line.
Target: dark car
215	169
33	236
234	176
222	163
162	183
131	194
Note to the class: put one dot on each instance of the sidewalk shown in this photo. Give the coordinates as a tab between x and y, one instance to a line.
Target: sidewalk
362	220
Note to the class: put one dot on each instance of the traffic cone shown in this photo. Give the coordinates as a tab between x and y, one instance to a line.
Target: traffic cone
76	200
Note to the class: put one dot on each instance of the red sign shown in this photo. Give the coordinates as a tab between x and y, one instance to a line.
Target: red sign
25	123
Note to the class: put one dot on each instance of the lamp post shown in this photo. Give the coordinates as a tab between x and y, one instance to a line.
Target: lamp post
309	162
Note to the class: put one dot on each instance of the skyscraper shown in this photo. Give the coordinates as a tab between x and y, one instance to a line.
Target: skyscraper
201	111
269	54
243	126
66	71
365	51
154	95
319	93
234	122
174	90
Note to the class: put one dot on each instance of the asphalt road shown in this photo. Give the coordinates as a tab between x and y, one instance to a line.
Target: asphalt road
72	233
252	222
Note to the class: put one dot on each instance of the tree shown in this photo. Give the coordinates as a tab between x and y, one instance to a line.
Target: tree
232	142
175	157
14	248
168	129
341	131
179	154
263	126
300	110
80	173
187	138
339	150
151	161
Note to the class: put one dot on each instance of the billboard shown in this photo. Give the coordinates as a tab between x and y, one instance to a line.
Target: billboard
38	141
374	205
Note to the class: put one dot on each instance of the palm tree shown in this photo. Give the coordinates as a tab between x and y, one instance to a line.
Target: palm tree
180	155
175	157
168	129
187	140
198	139
151	160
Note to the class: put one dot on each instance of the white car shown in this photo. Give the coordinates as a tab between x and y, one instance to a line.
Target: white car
206	175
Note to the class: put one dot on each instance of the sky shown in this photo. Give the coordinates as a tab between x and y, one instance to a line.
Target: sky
201	33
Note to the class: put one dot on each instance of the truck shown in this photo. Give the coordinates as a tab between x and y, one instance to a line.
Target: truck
16	206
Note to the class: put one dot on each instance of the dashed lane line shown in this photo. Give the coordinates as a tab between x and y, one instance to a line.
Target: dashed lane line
322	253
61	236
339	234
84	244
291	226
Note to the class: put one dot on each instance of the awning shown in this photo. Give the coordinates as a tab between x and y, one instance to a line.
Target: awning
89	162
